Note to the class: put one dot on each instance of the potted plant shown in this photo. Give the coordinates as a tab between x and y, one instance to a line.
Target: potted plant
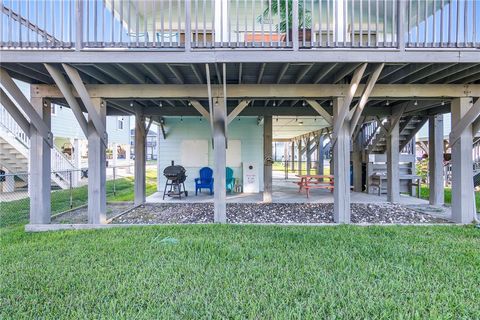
284	8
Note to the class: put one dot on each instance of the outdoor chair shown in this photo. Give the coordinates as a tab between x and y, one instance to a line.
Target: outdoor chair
230	179
205	181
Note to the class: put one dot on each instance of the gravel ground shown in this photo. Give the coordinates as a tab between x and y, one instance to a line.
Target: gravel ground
80	215
273	213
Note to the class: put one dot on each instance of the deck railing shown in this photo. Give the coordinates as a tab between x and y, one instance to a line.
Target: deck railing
206	24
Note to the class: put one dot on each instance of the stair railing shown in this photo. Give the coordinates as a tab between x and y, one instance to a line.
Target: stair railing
369	130
61	165
8	123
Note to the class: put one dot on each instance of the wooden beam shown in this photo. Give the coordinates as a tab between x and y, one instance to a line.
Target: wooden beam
93	113
198	106
321	111
238	109
269	91
67	93
472	114
372	80
35	119
340	117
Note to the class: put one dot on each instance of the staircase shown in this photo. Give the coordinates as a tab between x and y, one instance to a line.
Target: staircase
14	152
376	143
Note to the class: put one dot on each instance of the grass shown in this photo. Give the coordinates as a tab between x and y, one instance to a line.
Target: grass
18	211
232	271
425	193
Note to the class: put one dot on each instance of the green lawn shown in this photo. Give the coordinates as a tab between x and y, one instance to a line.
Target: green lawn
425	193
232	271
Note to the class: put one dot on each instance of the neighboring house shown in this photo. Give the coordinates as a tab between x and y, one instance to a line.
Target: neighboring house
66	129
150	145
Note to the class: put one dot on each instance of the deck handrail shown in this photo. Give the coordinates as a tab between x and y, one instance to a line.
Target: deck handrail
218	24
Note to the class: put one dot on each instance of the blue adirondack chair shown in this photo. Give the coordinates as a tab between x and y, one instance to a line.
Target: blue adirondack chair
205	181
230	179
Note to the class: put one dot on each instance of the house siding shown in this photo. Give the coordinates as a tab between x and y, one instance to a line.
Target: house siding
191	128
65	125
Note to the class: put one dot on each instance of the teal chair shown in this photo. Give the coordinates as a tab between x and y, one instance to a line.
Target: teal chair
230	179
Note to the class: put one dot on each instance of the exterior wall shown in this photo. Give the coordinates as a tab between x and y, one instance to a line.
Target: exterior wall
65	125
191	128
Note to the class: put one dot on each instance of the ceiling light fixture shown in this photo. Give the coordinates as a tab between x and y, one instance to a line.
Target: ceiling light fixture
160	104
387	103
415	103
274	103
304	103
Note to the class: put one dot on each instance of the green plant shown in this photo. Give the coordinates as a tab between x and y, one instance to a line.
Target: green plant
422	169
283	9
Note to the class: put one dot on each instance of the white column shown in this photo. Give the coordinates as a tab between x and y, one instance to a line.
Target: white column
393	158
40	167
221	20
435	159
219	161
97	169
462	166
159	169
341	156
140	159
76	175
267	159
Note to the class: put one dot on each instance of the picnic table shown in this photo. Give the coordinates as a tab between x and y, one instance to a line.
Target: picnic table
315	181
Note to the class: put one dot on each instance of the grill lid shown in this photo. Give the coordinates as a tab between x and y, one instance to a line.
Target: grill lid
173	171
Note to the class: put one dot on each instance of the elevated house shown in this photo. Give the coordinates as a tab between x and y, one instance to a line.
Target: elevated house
222	79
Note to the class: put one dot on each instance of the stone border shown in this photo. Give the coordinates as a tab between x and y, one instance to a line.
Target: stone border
56	215
124	212
59	227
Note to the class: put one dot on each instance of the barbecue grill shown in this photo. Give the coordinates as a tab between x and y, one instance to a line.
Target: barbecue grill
175	180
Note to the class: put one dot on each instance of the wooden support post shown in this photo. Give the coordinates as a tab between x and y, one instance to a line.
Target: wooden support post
299	150
140	158
159	168
435	159
40	166
267	159
341	155
308	154
292	156
97	166
462	164
219	160
393	158
320	155
357	165
77	163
